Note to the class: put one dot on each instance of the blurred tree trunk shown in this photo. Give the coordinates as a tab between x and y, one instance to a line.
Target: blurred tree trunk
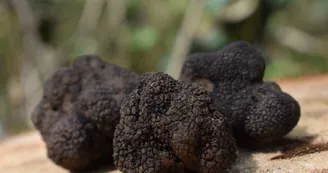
115	15
38	61
185	35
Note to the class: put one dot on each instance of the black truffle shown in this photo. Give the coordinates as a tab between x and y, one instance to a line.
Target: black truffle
171	126
258	111
79	111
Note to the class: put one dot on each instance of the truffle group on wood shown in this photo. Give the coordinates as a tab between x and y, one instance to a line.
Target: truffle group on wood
79	111
94	114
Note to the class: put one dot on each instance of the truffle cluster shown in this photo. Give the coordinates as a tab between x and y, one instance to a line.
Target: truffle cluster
171	126
259	112
94	112
79	111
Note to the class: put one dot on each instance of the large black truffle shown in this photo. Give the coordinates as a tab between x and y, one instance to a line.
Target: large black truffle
171	126
258	111
79	111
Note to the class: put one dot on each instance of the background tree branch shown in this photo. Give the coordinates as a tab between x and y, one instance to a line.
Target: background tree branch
85	40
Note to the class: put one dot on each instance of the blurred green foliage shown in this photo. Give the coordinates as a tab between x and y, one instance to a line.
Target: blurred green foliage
293	36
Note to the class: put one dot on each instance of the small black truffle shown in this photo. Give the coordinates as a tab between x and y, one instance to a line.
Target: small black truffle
258	111
79	111
171	126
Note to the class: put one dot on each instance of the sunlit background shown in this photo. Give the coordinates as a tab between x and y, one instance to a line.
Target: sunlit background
36	36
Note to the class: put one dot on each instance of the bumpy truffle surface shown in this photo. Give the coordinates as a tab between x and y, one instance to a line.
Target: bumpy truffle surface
171	126
75	143
258	111
79	111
